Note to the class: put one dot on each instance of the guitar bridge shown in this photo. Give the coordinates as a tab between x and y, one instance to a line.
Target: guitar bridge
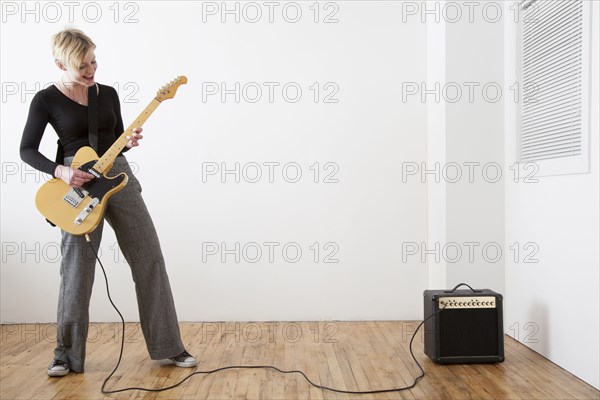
86	211
75	196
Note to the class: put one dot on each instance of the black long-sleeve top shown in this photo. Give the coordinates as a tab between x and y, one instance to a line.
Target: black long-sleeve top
70	121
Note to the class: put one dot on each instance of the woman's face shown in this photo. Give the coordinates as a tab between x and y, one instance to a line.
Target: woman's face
84	74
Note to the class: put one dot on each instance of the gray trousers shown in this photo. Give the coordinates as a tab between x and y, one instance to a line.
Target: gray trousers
127	214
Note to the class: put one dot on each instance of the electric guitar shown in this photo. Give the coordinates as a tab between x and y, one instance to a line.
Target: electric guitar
79	210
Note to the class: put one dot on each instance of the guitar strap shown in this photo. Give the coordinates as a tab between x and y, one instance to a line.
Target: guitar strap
92	128
92	125
93	116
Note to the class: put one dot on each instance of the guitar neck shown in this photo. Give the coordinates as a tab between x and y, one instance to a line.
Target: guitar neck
107	159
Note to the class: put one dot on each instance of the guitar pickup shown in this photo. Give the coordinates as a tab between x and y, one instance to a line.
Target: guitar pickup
75	196
86	211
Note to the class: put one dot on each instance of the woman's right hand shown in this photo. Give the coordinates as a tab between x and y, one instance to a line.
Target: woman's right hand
72	177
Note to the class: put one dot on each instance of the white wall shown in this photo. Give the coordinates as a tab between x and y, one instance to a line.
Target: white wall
367	134
552	305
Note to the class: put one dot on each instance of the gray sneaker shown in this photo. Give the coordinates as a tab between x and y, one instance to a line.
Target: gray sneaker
184	360
58	368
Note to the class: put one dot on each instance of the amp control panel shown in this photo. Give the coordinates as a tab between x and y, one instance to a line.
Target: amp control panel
467	302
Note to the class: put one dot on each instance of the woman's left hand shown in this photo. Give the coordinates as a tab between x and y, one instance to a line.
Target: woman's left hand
135	138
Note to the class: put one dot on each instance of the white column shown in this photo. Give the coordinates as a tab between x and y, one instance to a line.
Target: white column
436	150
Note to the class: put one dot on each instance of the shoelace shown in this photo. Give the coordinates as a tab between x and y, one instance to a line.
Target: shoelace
183	356
58	363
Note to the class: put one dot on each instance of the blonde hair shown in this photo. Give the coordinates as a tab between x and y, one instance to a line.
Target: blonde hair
70	46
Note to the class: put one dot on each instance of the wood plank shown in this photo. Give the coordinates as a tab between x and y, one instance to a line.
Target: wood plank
290	382
207	347
307	353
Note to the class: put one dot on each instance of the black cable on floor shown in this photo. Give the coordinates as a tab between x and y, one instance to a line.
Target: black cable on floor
105	391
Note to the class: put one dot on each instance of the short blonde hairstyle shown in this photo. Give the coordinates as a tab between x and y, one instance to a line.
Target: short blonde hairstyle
70	47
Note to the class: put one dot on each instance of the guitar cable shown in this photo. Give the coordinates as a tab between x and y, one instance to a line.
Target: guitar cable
322	387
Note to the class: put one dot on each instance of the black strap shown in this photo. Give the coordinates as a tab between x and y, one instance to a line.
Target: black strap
92	125
60	153
92	128
60	159
93	116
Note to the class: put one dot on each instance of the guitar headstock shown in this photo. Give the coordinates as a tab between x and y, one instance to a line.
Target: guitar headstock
168	91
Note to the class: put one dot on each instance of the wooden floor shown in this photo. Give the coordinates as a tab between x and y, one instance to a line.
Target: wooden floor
345	355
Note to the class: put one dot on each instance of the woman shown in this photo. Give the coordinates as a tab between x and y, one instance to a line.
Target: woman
64	106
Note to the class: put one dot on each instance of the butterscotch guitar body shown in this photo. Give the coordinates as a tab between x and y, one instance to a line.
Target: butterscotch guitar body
79	211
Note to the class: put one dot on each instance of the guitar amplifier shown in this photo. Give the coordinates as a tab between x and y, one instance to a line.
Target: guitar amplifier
463	326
